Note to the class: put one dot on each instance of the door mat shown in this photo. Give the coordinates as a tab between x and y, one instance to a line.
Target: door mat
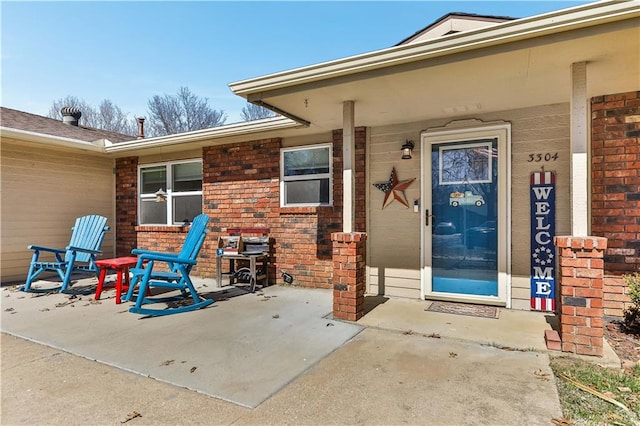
464	309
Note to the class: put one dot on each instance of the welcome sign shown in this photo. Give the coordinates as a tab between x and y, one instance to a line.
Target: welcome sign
543	223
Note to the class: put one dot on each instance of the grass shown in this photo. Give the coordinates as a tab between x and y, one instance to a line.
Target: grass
583	408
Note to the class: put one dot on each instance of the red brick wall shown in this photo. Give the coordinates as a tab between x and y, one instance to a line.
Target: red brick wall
615	205
169	239
615	164
126	205
241	189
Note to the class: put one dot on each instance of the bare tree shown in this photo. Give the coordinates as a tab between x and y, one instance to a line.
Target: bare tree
110	117
107	116
252	112
183	112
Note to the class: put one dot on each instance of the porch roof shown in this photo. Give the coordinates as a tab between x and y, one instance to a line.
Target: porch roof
513	64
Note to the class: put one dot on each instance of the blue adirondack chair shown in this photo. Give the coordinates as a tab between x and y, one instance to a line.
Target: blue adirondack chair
79	256
180	265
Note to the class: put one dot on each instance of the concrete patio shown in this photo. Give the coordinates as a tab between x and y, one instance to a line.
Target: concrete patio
277	354
242	349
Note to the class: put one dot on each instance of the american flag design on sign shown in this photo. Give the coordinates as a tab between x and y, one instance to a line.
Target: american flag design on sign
543	262
543	304
542	178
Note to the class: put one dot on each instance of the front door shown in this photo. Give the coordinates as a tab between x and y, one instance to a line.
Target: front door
465	216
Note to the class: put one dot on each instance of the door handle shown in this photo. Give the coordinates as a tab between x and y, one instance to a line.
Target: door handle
427	216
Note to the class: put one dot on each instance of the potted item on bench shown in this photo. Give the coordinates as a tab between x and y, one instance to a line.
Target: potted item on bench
231	244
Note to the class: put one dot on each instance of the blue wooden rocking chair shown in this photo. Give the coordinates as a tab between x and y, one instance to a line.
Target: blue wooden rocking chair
177	278
79	256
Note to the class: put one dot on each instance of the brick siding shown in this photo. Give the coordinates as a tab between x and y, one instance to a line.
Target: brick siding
615	197
126	205
170	239
615	164
241	189
302	235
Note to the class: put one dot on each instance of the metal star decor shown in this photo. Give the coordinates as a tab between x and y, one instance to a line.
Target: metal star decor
394	190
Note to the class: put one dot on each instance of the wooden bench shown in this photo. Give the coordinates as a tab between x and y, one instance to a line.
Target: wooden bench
251	247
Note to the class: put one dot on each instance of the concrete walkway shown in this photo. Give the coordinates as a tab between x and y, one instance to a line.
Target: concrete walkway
380	377
393	372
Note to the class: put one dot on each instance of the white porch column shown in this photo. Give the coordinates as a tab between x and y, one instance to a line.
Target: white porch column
348	171
579	145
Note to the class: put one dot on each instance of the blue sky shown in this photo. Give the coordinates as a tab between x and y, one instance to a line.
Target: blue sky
129	51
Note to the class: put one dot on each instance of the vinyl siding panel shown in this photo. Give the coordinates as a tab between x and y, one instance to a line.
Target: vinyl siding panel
43	190
398	282
394	232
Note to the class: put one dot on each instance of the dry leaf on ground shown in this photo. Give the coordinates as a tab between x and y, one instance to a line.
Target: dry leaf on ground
541	375
132	415
562	421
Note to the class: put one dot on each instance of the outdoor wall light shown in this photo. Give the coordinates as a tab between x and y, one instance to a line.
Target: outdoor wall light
287	278
160	196
406	149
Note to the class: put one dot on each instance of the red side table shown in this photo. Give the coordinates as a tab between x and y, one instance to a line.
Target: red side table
121	265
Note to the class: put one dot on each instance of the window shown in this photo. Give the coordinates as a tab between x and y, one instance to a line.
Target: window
463	164
182	184
306	176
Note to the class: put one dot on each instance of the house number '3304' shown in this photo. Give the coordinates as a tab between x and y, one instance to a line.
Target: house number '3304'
547	156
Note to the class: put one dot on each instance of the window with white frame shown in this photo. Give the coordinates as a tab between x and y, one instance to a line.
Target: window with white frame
306	176
170	193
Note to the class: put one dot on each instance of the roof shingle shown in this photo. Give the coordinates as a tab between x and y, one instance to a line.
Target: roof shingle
21	120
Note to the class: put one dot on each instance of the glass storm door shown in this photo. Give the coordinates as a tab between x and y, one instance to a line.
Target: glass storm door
463	220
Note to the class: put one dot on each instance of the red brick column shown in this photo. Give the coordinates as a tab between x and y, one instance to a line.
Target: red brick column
349	280
126	205
581	293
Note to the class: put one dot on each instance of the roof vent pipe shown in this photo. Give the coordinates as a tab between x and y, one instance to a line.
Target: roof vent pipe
140	127
70	115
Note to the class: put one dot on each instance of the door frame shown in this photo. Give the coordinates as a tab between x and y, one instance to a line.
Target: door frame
463	131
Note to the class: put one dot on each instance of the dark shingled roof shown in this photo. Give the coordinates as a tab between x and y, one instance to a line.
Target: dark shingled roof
21	120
